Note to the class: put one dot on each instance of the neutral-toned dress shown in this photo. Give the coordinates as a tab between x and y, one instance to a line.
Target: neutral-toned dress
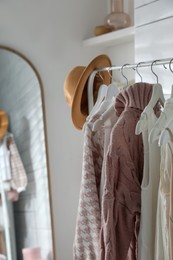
163	207
164	230
149	186
171	207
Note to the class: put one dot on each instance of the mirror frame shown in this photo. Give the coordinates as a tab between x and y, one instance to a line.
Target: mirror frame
4	47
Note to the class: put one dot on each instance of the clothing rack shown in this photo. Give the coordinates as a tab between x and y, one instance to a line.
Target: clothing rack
135	66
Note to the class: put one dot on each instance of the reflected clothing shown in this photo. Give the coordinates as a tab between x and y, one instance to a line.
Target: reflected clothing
5	167
11	166
121	205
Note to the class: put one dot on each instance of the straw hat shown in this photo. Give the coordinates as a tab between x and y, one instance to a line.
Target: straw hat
75	88
3	123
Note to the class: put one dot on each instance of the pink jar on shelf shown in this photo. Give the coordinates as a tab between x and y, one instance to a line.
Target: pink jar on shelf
33	253
117	19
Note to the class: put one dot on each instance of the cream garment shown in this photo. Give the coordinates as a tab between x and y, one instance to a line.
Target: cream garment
149	188
164	231
163	211
163	222
171	206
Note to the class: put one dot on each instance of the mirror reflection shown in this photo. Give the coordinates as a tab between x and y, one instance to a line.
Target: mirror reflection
25	222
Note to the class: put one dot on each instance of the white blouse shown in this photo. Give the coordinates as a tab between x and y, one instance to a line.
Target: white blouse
149	187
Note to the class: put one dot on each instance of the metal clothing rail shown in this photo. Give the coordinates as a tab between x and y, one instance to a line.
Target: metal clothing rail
135	66
150	63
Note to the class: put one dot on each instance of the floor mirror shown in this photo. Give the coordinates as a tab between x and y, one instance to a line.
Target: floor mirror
26	224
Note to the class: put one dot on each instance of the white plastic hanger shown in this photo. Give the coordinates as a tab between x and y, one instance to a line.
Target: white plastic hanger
100	97
157	95
103	118
90	90
104	98
107	106
163	119
172	72
167	133
111	91
110	110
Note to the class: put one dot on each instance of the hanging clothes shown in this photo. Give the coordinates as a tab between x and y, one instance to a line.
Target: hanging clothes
171	207
5	167
165	196
11	166
124	172
149	186
164	231
85	246
86	242
18	173
162	228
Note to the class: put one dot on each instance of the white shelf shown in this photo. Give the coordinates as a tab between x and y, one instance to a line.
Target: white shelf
112	38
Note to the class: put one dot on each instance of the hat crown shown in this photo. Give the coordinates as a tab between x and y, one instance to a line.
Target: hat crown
76	85
71	82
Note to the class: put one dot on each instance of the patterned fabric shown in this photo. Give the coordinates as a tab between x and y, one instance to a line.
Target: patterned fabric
86	242
18	174
121	203
5	168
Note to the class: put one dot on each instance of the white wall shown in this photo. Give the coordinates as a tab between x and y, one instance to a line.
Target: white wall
20	97
49	33
154	38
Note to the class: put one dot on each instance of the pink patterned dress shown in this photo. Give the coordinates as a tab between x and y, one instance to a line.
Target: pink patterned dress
86	242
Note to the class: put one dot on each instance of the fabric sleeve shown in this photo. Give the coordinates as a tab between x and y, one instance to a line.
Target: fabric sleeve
107	242
19	177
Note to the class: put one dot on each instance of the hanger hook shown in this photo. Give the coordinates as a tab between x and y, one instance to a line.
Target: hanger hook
110	75
153	70
138	71
100	75
170	65
164	66
123	73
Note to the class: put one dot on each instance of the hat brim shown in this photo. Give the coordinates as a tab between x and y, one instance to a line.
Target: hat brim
3	123
100	61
